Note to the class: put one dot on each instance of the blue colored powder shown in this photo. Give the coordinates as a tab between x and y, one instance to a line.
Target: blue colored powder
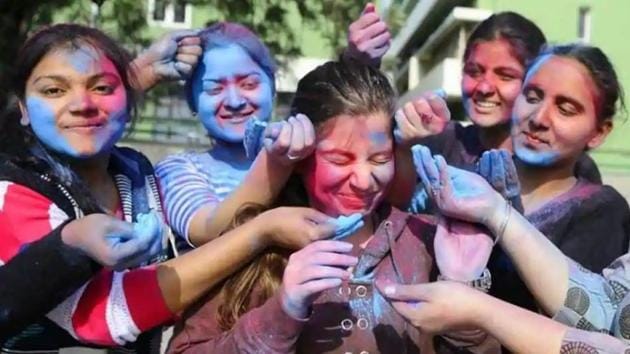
44	126
347	225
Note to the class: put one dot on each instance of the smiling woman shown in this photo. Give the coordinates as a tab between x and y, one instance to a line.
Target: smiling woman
80	109
233	84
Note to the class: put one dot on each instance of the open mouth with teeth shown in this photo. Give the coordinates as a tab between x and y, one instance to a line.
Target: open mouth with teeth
237	118
486	104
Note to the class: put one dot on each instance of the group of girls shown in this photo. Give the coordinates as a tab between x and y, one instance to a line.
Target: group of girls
276	261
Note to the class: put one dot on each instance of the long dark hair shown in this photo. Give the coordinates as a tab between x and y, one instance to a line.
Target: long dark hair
525	38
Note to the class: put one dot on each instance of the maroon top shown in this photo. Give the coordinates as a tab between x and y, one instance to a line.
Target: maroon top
351	318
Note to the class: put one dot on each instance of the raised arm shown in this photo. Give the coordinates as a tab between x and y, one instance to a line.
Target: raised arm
368	38
172	57
467	196
199	216
443	306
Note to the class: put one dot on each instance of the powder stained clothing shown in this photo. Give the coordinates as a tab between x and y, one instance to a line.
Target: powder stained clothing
191	180
112	308
461	147
598	303
590	224
353	317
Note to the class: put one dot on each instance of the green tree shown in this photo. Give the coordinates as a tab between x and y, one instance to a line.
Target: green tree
277	22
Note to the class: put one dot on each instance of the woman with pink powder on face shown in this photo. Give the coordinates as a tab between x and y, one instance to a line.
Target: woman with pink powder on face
319	305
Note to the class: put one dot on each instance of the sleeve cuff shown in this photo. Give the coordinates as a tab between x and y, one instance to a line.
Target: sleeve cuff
284	326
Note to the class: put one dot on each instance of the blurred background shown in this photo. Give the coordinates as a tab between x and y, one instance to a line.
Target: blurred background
428	43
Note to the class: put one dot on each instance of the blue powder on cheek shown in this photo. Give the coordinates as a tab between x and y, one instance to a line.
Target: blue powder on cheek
44	126
110	135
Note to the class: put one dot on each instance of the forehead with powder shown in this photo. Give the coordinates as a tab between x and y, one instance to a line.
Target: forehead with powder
343	131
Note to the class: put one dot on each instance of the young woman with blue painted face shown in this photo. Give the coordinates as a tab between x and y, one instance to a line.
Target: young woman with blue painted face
233	84
60	162
315	303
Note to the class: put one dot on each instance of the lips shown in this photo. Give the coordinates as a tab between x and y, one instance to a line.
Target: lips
237	118
355	202
87	126
534	139
485	106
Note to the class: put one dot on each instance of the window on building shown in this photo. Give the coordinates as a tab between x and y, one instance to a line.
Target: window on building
160	10
179	11
170	13
584	24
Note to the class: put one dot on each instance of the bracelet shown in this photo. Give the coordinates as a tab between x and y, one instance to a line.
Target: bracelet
508	211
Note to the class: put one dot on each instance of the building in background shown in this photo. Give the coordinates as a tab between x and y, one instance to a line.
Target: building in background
427	50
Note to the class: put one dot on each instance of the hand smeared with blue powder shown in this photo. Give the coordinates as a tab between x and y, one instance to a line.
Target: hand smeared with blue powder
347	225
148	230
253	137
149	226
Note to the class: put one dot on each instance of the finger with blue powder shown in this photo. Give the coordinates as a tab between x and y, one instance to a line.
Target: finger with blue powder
252	139
347	225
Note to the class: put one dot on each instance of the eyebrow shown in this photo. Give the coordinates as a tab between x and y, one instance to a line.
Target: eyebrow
50	77
510	69
239	76
91	78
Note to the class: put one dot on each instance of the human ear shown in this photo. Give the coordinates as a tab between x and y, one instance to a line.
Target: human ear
24	120
601	132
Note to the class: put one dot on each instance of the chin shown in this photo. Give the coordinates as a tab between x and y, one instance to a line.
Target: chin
536	158
488	121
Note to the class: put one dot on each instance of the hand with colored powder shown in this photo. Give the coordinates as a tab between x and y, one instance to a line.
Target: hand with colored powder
115	243
294	227
425	116
317	267
149	226
287	141
172	57
347	225
368	38
497	167
435	307
461	249
456	193
253	136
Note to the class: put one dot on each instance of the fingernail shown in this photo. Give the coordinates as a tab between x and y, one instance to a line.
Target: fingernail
440	93
390	290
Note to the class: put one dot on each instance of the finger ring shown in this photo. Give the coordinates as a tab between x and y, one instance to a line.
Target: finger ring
292	158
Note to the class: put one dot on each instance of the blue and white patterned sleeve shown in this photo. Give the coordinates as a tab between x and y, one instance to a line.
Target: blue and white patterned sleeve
185	189
597	302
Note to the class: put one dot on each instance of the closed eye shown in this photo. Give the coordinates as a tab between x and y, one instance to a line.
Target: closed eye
338	158
381	158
